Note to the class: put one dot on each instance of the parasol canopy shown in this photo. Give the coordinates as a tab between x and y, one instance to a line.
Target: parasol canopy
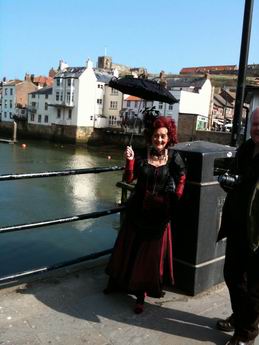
146	89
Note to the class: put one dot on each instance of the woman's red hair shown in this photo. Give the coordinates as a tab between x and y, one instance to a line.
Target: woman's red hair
167	122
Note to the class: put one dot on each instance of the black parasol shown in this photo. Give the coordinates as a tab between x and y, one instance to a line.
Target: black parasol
146	89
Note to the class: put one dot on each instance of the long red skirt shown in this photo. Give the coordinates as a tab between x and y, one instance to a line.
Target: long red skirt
141	265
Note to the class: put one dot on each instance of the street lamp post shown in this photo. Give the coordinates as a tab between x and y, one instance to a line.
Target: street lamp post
247	22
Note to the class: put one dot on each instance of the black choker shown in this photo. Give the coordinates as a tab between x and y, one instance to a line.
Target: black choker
154	152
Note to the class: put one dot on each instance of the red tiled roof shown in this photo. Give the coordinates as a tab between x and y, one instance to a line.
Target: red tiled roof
208	68
42	80
132	98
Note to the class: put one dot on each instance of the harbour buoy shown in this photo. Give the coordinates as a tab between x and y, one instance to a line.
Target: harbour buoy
24	146
109	157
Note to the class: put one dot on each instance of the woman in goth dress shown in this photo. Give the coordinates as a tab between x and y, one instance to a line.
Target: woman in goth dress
142	256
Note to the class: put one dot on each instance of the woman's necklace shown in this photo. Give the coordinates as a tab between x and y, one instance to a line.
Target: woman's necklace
156	157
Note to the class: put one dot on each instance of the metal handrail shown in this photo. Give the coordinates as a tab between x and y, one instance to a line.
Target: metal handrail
67	172
20	227
69	219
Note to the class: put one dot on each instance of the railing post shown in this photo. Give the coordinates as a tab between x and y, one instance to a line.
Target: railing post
14	131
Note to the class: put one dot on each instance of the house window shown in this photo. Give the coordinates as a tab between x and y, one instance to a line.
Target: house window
61	96
69	114
170	107
39	118
72	97
114	92
11	92
33	104
136	104
33	95
68	97
46	96
113	105
46	106
10	115
6	91
69	82
58	113
99	101
58	81
32	117
160	105
100	86
46	119
128	103
5	114
57	96
91	118
11	103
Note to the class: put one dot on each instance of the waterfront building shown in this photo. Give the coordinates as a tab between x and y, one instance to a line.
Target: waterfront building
15	99
39	111
82	98
79	100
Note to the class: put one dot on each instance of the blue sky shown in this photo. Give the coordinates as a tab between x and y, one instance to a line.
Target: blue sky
158	35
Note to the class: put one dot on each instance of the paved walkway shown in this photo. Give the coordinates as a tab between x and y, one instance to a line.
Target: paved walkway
72	310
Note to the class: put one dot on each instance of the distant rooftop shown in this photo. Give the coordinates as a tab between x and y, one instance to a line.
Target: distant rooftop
43	91
185	82
70	72
12	82
75	72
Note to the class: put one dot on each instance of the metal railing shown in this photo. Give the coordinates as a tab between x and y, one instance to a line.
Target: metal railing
20	227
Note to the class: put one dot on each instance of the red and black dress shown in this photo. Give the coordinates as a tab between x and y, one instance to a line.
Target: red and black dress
141	260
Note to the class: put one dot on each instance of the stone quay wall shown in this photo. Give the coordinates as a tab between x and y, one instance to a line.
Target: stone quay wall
99	136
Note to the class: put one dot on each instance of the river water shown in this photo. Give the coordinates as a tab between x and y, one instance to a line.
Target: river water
32	200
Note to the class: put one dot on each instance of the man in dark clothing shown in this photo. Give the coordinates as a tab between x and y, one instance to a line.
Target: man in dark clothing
240	226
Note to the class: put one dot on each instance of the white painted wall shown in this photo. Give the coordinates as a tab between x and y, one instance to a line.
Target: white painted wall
100	87
196	103
86	100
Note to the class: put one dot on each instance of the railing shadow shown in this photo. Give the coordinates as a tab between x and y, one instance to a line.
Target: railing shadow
80	296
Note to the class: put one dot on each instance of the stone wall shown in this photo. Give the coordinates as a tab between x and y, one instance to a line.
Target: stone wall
60	133
101	136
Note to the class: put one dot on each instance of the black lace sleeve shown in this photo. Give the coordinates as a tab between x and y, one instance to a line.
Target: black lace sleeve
177	166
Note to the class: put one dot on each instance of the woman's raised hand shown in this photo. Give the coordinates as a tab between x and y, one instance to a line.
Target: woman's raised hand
129	153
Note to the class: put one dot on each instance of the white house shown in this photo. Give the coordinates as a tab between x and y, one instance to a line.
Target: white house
73	101
80	97
39	111
194	95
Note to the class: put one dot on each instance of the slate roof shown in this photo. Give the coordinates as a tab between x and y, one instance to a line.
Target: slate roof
75	72
43	91
70	72
197	83
103	76
221	102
